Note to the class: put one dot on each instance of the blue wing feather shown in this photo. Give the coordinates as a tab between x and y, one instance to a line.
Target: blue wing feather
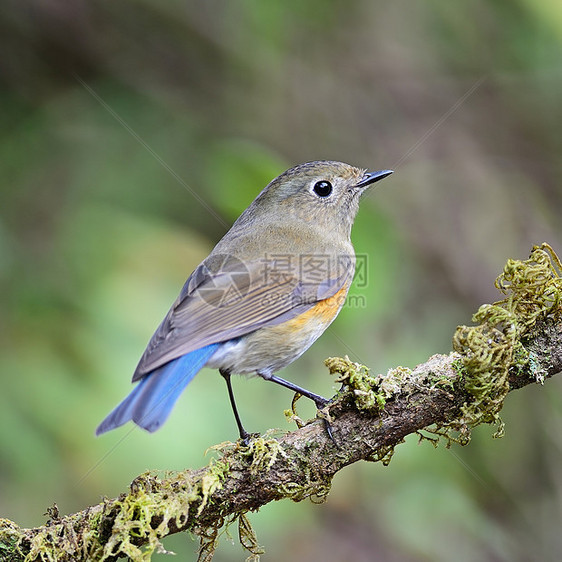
151	401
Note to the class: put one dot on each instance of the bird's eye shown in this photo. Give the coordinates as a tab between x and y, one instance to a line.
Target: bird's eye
323	188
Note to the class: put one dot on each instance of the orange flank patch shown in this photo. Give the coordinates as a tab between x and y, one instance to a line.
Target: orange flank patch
321	313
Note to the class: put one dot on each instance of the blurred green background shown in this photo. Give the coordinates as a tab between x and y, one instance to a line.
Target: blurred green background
119	118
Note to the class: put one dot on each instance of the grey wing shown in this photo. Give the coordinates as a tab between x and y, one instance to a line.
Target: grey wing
216	307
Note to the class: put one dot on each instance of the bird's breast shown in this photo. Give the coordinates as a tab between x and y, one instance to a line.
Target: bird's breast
272	348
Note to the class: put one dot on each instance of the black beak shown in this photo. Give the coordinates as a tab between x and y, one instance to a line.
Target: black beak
372	177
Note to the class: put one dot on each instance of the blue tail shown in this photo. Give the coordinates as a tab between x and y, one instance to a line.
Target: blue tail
152	400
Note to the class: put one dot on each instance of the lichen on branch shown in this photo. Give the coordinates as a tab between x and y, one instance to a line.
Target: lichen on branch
533	291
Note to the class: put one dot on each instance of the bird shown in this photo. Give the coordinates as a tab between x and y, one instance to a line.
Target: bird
266	292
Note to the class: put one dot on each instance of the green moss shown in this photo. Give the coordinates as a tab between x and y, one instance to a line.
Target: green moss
459	367
384	455
370	393
140	517
246	535
172	500
315	491
437	380
148	501
248	539
262	453
357	379
212	481
10	534
533	291
396	381
259	456
486	353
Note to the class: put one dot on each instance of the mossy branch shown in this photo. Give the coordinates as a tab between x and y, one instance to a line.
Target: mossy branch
517	341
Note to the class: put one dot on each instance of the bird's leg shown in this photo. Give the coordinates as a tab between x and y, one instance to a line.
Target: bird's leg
244	435
320	401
